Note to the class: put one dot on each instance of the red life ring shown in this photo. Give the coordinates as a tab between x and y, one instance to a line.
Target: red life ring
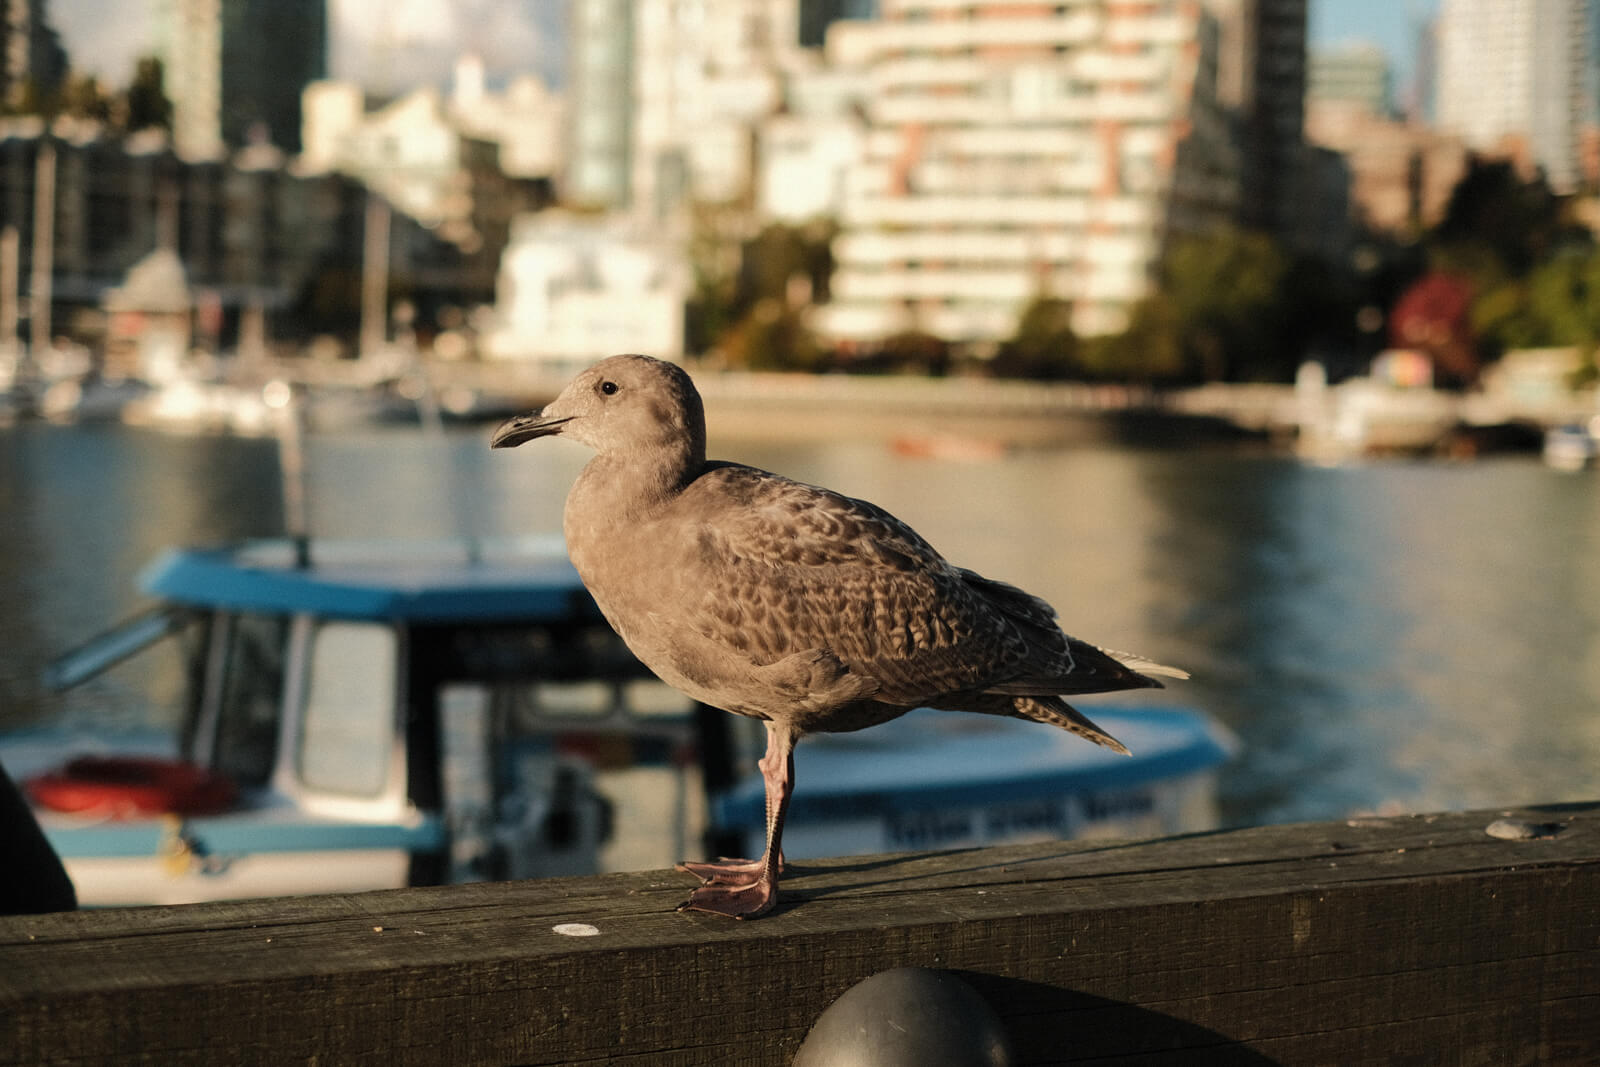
128	787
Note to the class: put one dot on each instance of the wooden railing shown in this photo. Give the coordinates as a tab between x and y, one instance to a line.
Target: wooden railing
1419	939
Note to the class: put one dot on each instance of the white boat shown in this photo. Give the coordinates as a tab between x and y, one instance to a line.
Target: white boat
933	779
1570	447
365	715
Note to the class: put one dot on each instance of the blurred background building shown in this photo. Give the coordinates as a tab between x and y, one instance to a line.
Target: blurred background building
235	70
1014	152
1401	169
1262	81
1519	79
935	169
32	61
1357	72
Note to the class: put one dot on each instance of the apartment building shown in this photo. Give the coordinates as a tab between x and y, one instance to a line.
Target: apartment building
1517	78
666	95
1013	150
1357	72
234	70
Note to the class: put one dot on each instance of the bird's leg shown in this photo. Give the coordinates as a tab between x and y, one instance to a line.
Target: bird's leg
742	872
738	872
746	889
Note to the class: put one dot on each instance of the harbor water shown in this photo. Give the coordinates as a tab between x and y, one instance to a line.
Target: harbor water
1394	636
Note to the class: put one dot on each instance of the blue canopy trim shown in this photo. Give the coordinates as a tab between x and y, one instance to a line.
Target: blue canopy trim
514	581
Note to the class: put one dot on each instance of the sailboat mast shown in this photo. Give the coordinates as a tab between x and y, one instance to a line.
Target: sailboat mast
375	278
44	250
10	282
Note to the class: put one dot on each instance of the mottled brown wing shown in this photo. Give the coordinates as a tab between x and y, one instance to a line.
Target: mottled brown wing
815	569
1057	662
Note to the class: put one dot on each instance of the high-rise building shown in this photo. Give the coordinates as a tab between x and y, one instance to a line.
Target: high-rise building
32	62
600	87
1358	73
1518	78
189	33
665	95
1401	174
271	50
1262	79
234	69
1416	101
1014	151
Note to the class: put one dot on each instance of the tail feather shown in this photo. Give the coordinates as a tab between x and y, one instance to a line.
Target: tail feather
1058	712
1138	663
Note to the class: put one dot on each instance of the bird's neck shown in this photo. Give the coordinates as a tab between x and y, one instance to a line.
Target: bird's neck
616	489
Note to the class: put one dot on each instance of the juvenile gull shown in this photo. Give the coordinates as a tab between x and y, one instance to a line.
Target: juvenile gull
809	610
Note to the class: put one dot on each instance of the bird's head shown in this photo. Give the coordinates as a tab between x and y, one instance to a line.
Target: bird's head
620	403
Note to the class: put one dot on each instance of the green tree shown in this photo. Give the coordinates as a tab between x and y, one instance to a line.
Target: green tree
714	262
1557	304
1498	223
22	98
1150	350
1502	319
911	351
1564	295
782	255
1044	345
145	103
83	97
1220	310
1531	264
772	336
751	293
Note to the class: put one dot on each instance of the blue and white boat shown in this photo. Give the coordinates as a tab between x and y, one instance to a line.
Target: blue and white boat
376	714
931	780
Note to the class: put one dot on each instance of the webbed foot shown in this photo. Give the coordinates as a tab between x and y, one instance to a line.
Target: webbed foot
749	901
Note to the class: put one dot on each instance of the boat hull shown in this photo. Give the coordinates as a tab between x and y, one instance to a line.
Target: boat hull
932	780
118	881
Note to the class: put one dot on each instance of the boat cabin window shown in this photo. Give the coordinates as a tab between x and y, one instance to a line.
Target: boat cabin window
251	697
348	729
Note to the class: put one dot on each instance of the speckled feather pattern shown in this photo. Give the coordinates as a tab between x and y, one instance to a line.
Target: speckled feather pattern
772	598
786	566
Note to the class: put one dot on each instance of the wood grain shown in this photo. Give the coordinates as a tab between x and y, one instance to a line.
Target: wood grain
1416	939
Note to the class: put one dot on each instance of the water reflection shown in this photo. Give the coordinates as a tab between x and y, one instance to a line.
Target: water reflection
85	509
1412	636
1404	636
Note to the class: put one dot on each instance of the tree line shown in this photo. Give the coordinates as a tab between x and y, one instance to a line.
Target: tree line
1509	265
141	105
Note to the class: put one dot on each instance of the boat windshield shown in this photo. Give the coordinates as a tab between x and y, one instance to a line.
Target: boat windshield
251	702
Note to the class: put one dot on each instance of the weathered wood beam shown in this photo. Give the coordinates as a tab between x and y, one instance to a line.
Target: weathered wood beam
1418	939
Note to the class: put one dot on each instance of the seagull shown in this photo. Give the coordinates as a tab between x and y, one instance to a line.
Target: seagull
806	609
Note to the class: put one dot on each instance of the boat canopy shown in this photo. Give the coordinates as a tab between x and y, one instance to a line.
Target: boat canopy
514	580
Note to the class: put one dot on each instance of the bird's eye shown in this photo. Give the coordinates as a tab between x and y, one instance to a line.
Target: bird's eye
609	388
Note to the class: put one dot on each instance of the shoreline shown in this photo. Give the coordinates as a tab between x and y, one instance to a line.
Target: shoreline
964	415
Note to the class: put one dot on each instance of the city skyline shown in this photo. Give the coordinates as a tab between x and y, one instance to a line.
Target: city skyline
376	45
1386	23
371	44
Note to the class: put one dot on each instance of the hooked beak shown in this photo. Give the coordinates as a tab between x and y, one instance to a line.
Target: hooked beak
520	428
